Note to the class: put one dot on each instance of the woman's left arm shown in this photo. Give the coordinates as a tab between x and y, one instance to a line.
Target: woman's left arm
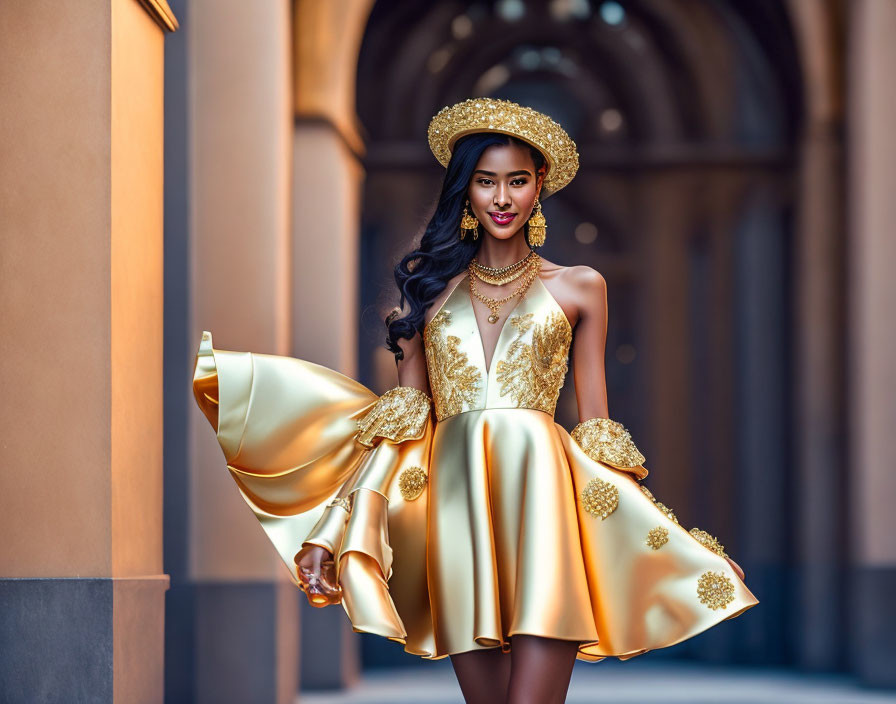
590	342
602	438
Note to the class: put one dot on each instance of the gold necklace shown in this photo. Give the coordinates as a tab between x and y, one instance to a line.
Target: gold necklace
502	275
495	304
498	270
500	280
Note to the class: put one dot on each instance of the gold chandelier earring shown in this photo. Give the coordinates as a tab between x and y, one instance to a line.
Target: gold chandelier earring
469	223
537	226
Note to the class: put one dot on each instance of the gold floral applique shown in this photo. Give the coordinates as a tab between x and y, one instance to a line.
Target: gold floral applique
533	373
715	590
411	482
599	498
657	537
454	381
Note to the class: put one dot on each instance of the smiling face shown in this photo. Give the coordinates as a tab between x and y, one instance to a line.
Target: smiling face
503	189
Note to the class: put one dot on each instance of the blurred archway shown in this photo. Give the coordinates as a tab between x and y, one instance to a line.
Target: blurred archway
689	118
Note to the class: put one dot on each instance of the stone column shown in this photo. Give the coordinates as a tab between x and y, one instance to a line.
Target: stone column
760	292
239	125
326	201
820	348
871	337
81	201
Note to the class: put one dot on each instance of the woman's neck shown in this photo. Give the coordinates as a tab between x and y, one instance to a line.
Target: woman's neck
497	253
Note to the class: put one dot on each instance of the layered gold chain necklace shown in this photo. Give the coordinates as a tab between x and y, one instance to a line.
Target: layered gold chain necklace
499	276
525	269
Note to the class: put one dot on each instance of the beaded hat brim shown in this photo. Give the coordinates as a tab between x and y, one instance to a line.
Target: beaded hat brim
506	117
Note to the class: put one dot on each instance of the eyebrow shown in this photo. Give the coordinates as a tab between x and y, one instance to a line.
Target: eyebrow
524	172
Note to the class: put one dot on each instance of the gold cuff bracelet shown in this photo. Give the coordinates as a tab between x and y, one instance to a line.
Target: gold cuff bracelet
399	414
607	441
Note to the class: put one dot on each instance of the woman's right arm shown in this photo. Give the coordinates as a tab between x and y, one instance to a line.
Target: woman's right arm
315	561
412	367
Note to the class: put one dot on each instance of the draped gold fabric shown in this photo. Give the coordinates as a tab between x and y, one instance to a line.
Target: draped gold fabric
493	522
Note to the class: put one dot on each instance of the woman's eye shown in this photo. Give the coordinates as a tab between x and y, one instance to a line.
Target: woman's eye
515	182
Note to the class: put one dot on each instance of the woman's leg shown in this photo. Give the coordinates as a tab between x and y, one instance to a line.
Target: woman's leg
540	669
483	675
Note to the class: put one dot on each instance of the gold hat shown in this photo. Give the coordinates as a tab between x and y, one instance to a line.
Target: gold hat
506	117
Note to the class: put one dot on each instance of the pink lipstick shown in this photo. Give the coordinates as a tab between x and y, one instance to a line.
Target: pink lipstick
502	218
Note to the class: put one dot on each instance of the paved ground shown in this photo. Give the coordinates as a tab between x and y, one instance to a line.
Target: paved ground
622	683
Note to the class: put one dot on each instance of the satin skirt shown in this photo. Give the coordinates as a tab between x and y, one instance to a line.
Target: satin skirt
510	549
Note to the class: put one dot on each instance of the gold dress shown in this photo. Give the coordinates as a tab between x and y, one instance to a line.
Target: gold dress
493	521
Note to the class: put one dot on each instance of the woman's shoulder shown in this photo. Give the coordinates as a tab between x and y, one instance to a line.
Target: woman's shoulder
577	289
579	276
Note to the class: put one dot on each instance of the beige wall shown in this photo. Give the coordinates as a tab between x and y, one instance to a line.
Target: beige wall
81	303
81	290
55	292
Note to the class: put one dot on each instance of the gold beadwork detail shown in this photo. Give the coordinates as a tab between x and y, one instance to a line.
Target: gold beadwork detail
399	414
667	512
411	482
657	537
600	498
342	502
708	541
454	381
533	373
506	117
670	514
715	590
607	441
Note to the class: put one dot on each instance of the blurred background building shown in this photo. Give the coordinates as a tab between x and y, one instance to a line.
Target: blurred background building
257	169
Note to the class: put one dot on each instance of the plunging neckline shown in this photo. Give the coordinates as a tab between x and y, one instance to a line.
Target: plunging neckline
487	364
468	298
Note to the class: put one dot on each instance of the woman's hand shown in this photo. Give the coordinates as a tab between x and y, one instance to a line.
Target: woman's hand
317	576
740	572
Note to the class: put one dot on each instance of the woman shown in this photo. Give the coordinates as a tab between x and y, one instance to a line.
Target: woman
488	533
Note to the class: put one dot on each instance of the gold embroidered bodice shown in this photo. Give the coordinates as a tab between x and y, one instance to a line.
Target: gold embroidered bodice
527	368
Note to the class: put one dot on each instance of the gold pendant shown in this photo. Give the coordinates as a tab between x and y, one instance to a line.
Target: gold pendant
493	318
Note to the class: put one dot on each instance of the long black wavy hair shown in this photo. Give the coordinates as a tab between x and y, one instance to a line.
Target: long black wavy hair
423	273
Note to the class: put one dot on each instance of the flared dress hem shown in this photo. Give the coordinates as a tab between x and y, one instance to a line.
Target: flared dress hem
582	653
